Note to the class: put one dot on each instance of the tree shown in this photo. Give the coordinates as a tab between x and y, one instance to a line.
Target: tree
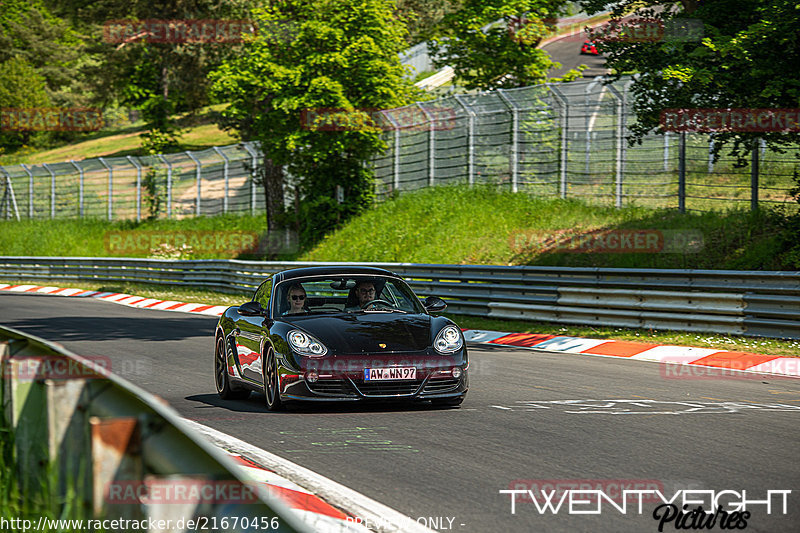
422	17
746	58
159	78
493	43
29	31
21	87
329	59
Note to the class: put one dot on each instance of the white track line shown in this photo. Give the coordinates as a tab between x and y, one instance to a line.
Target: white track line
370	511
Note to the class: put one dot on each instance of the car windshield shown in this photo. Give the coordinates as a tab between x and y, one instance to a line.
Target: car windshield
344	294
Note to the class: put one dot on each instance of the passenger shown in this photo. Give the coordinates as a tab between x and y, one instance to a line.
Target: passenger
296	295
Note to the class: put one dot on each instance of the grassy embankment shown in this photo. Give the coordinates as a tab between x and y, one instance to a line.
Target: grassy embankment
198	131
460	225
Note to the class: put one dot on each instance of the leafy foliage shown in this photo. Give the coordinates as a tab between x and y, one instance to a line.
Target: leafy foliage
159	78
21	87
422	17
493	44
746	58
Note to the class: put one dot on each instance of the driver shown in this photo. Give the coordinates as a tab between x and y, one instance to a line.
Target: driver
365	292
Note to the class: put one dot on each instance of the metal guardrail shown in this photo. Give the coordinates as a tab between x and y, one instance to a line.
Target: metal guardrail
720	301
116	450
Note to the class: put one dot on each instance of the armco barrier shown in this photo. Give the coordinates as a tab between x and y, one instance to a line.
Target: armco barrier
721	301
116	450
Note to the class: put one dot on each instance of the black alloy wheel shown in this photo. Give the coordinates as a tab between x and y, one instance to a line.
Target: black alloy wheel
221	375
271	390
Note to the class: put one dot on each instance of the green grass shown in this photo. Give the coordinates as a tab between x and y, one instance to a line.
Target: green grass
198	132
484	225
456	224
32	498
92	237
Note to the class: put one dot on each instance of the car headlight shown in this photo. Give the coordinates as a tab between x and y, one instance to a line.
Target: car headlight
305	344
448	340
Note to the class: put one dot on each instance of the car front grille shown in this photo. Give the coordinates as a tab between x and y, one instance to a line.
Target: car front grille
339	387
388	388
440	385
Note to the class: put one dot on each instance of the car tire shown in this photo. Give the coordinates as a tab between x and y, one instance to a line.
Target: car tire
270	377
221	379
447	402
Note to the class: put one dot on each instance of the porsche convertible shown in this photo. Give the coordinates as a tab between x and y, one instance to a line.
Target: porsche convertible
339	334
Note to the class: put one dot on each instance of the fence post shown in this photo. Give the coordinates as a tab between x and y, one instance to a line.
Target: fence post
514	155
564	106
197	175
754	177
682	172
169	185
253	173
224	177
138	188
10	198
431	146
52	190
710	153
110	187
666	151
80	186
396	150
589	120
619	135
470	140
30	189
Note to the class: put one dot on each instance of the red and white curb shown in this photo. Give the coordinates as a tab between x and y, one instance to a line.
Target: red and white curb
313	511
685	355
698	357
309	494
119	298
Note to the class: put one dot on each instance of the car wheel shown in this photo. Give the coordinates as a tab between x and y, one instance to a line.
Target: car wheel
447	402
221	375
271	389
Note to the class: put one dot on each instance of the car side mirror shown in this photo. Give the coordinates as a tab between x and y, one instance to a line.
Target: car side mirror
434	304
251	309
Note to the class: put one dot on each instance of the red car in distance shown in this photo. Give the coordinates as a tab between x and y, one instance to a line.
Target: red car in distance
589	48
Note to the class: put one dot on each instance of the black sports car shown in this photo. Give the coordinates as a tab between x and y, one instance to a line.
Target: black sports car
339	333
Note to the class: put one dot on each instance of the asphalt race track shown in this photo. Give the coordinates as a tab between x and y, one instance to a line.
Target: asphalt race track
567	52
514	430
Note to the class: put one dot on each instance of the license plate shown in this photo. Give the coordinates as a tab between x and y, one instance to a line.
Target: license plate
383	374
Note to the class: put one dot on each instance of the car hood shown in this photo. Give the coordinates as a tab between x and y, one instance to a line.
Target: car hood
360	333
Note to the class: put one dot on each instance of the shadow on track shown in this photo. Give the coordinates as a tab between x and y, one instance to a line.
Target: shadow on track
256	403
99	328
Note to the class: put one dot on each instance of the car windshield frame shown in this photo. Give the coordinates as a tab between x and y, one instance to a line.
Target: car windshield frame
398	286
